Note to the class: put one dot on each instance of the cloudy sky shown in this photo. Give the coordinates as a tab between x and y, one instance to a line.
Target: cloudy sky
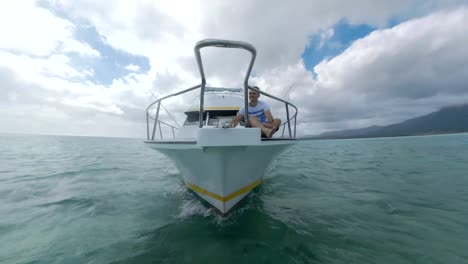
91	67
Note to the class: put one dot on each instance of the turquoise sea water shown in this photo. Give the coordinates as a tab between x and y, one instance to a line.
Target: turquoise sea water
106	200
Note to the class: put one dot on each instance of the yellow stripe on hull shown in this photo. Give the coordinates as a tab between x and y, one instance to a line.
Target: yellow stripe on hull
218	197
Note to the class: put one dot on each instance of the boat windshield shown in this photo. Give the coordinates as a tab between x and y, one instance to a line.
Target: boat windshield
223	89
214	117
192	118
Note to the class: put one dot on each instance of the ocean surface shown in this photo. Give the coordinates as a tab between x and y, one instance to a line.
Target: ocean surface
110	200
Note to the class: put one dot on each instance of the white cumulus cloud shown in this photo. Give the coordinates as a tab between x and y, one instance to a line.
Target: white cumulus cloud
390	75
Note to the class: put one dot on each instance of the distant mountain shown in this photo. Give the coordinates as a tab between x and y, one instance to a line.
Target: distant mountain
351	132
452	119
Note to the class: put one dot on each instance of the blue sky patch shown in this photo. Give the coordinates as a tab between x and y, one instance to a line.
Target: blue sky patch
330	43
111	64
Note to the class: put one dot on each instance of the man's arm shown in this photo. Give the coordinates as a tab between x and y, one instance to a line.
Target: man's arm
269	118
236	120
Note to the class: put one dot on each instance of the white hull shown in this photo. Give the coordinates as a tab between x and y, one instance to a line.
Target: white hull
222	171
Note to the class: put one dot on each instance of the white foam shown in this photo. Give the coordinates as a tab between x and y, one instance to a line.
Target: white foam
193	207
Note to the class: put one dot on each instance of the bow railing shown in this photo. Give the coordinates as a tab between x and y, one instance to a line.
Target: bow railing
289	123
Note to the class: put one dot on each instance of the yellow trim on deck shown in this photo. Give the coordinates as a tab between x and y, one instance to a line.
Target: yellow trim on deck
215	108
218	197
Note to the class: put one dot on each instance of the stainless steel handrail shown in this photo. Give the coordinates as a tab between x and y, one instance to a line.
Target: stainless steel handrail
224	44
157	111
287	122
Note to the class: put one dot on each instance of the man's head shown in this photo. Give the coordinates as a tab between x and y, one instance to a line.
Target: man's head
254	95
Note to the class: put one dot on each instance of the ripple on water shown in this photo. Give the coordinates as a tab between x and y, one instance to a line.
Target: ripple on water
93	200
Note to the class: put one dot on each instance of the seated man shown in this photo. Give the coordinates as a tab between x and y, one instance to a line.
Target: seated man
259	116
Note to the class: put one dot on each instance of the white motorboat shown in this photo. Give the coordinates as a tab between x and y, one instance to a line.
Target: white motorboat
221	165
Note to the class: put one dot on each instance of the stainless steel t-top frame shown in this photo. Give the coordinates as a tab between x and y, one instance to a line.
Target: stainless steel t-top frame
222	44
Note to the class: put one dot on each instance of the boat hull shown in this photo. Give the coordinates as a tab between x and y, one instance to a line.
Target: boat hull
222	175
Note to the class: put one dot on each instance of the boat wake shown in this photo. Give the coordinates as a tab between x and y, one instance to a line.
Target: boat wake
194	207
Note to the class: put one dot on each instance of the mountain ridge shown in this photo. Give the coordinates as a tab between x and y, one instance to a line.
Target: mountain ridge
447	120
